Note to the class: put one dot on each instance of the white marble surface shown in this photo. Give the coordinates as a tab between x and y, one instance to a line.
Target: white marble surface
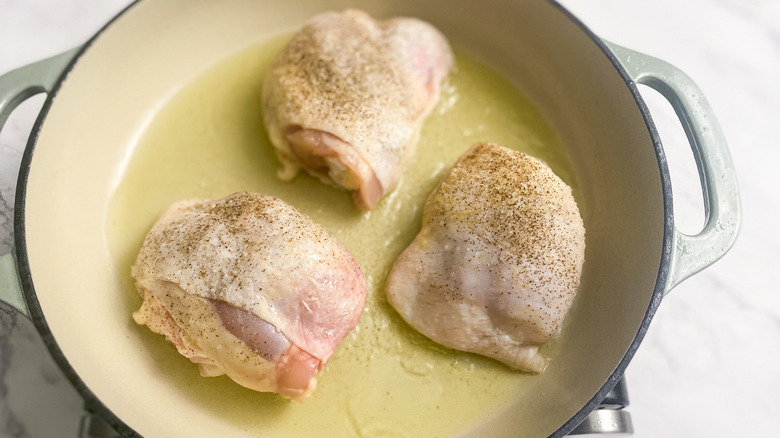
708	366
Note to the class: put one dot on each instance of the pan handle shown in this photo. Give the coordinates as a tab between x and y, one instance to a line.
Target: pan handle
692	253
16	86
10	290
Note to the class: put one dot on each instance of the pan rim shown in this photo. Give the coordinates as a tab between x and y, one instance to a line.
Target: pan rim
94	405
91	402
668	234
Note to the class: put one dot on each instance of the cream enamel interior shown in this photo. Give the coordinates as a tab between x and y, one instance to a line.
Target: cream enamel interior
159	45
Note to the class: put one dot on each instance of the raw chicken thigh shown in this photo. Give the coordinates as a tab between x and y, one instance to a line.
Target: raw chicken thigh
346	98
249	287
497	263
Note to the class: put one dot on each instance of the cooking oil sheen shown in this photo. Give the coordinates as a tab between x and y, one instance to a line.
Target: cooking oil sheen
385	379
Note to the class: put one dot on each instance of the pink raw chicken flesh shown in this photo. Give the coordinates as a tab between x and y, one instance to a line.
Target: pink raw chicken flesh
497	263
346	98
249	287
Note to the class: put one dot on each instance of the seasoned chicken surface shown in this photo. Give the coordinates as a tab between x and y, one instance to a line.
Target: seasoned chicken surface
346	98
498	260
249	287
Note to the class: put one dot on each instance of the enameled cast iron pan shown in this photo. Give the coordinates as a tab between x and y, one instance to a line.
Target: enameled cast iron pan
102	96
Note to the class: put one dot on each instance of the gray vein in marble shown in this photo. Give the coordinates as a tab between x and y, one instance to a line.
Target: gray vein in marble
739	298
10	424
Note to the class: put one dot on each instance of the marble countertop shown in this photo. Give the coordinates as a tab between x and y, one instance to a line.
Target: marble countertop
708	365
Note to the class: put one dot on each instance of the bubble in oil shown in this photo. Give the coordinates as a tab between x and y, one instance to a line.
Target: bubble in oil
416	366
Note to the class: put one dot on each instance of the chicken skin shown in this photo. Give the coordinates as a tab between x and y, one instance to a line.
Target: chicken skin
249	287
497	263
346	98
